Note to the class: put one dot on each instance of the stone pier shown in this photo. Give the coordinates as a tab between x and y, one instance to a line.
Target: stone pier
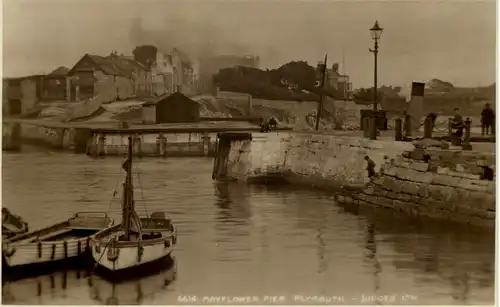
418	179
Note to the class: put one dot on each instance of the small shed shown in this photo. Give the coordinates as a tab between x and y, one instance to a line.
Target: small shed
174	108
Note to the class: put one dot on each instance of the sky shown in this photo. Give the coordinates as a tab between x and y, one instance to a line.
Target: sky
451	40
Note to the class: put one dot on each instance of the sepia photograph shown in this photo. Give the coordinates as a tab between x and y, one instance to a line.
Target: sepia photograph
237	152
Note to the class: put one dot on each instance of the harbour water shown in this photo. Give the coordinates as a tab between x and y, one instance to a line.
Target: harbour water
247	244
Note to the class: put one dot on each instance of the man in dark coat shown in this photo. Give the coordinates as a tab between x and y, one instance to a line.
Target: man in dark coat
370	167
487	118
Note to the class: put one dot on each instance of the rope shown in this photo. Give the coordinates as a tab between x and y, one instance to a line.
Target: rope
103	252
142	190
115	190
143	198
114	195
435	125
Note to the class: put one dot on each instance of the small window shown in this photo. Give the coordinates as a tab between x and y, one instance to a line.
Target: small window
58	82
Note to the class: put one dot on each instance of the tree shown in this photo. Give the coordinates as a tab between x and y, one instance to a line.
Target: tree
292	81
145	54
440	85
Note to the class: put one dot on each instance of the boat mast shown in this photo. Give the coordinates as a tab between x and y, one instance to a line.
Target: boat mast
128	192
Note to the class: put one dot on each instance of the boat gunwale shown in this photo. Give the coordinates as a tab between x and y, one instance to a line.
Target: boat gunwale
20	239
101	238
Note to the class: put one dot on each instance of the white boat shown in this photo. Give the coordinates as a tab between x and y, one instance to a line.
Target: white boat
135	242
62	241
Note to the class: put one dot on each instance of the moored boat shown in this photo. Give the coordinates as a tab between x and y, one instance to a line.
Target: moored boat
63	241
12	224
135	242
133	291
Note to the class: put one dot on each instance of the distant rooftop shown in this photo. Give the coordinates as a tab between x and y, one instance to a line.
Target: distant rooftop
60	71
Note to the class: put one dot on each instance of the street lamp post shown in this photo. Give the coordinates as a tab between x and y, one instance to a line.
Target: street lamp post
376	32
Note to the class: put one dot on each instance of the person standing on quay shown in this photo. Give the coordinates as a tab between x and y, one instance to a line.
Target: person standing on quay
487	118
370	167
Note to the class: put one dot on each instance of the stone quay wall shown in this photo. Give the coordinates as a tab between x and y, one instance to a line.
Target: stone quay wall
319	160
434	182
444	184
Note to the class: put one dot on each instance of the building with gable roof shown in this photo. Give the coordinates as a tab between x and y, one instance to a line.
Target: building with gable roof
110	78
174	108
21	94
55	84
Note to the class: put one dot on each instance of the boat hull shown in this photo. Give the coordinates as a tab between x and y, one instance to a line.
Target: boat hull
137	272
45	252
59	242
129	256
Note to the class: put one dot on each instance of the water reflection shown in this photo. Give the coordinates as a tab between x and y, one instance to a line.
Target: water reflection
35	290
371	256
232	222
131	292
236	239
457	254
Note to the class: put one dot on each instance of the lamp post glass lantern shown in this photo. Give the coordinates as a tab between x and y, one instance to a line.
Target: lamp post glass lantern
376	32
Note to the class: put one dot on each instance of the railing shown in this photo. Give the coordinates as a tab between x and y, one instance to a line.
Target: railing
457	135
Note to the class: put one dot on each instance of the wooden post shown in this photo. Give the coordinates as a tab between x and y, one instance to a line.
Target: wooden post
428	128
90	144
466	144
158	146
61	140
206	144
101	145
373	128
398	129
161	145
165	146
138	145
366	127
216	159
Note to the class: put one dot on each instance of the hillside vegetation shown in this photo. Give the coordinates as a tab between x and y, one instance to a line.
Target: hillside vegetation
293	81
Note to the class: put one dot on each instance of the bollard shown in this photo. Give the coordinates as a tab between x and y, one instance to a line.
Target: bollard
466	144
428	128
398	129
407	125
366	126
373	128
